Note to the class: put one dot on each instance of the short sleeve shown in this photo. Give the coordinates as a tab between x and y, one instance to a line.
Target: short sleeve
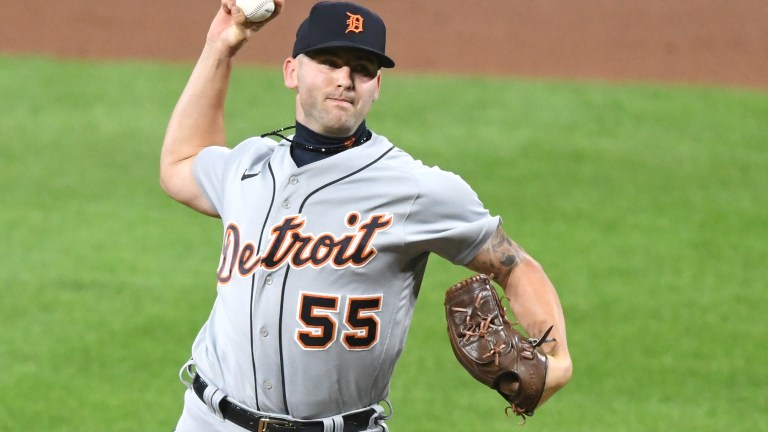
210	166
448	218
216	167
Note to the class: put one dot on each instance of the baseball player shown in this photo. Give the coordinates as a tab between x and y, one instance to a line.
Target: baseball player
326	234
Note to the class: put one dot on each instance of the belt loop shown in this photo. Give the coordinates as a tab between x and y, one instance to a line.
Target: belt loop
328	425
333	424
377	420
391	410
187	373
212	395
212	398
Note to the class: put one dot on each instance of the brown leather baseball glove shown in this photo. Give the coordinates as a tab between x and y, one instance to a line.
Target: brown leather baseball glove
491	349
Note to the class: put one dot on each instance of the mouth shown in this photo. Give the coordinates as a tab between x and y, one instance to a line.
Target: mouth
340	100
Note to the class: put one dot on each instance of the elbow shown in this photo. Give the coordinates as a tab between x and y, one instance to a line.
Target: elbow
172	183
561	374
164	180
567	373
164	186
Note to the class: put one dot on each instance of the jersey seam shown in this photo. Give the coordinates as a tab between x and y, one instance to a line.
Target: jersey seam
410	208
253	285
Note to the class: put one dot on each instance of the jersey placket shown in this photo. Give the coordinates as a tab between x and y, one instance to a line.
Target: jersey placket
269	310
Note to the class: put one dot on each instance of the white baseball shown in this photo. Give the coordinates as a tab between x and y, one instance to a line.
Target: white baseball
256	10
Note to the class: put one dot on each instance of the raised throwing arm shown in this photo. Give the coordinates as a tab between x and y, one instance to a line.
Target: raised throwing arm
197	121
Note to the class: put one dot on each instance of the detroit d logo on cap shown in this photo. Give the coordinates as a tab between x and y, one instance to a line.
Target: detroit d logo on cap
354	23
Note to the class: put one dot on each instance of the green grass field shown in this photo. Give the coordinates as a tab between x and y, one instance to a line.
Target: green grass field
646	205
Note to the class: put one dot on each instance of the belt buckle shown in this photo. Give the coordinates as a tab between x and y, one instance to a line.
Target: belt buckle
264	423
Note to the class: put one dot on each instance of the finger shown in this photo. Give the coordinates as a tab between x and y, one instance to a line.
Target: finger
238	16
227	5
258	25
278	7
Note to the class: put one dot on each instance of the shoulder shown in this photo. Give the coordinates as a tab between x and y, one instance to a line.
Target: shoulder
249	151
255	146
430	178
400	160
430	185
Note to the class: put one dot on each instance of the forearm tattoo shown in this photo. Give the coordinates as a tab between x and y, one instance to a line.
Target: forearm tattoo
499	256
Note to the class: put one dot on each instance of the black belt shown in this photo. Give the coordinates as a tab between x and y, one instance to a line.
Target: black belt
354	422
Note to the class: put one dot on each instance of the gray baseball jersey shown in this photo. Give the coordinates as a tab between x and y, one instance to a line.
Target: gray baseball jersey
320	269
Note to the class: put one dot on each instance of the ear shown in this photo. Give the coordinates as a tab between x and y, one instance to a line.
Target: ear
290	73
378	87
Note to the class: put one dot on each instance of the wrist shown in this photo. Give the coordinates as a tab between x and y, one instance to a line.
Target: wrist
218	54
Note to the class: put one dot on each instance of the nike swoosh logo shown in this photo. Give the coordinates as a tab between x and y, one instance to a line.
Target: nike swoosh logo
246	176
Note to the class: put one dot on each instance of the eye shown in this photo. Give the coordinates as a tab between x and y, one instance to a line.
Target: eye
330	62
364	69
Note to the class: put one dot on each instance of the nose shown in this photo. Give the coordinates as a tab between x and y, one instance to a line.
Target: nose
344	77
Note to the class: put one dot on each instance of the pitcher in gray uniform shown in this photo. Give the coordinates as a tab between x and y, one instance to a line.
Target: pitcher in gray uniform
327	228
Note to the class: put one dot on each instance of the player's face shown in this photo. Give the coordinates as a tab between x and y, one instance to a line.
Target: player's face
335	89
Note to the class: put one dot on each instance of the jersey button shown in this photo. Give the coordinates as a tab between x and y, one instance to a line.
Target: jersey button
268	385
264	332
294	180
286	204
268	280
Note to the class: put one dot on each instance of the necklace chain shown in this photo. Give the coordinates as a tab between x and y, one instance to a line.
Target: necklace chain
351	142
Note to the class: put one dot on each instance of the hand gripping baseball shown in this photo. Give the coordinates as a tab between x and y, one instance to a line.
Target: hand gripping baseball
490	349
232	28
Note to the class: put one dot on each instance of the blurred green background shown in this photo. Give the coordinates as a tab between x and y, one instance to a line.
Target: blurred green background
646	204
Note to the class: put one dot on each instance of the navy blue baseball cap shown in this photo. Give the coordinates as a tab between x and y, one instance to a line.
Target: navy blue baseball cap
342	24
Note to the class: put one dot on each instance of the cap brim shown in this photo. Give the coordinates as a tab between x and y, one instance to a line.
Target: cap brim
384	61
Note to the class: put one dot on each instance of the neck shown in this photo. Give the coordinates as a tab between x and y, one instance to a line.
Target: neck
308	146
309	140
